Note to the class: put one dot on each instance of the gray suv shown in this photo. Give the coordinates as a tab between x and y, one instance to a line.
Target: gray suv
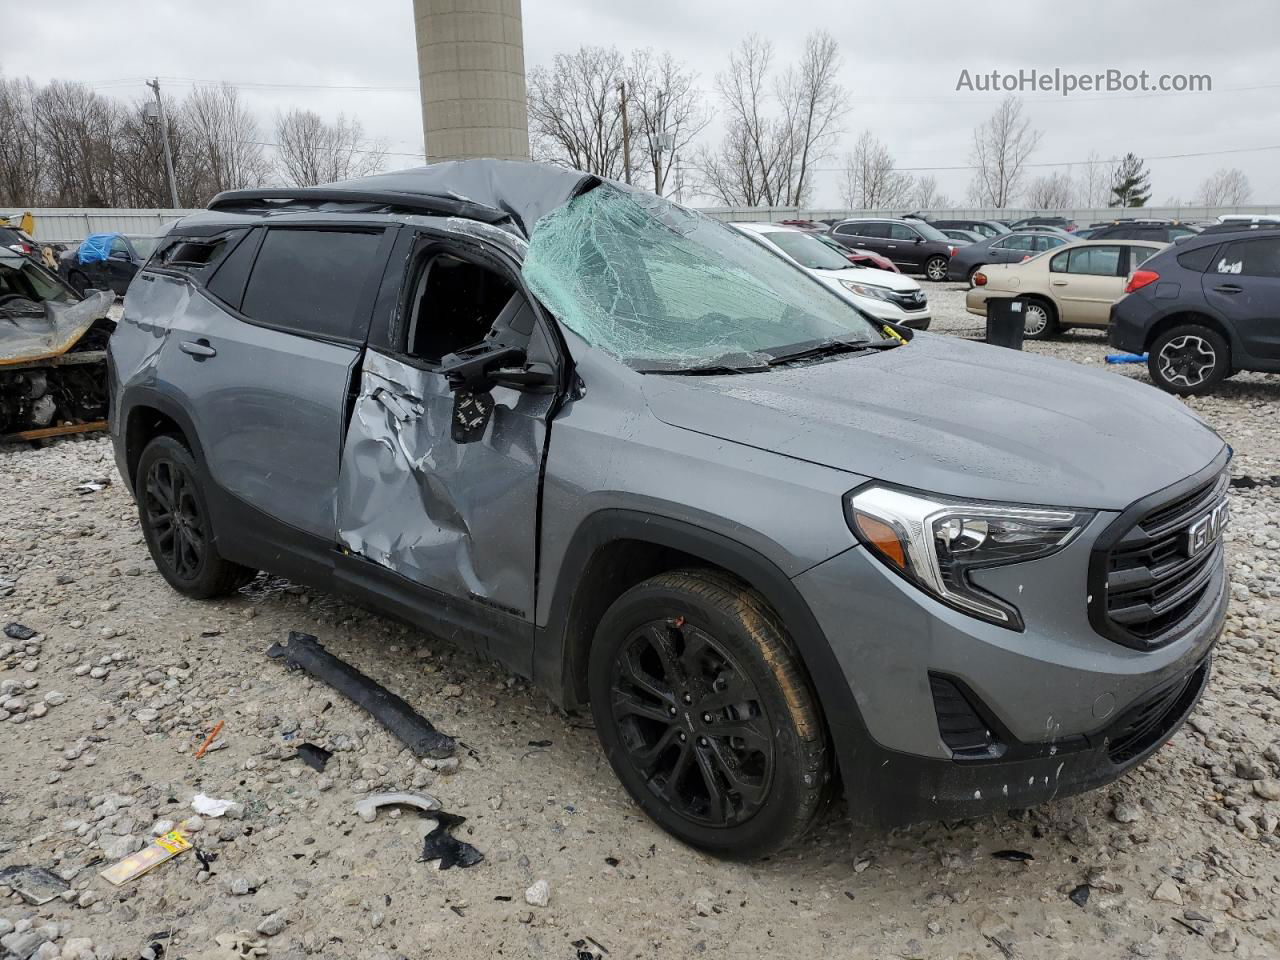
781	548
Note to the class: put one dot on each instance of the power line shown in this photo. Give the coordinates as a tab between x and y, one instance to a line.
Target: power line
1078	163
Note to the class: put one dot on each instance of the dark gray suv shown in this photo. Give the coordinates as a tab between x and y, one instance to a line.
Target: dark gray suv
778	546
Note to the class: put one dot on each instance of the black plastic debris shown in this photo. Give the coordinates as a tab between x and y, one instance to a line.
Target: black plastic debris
540	743
314	757
1013	856
407	725
18	631
36	885
440	845
1248	483
206	860
589	948
1080	895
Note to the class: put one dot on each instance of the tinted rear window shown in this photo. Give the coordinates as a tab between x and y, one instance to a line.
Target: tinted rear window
315	282
1197	260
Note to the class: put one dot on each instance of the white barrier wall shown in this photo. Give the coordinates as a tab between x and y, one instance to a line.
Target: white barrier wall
73	224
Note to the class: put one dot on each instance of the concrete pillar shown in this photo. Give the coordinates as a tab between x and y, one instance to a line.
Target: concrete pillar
471	70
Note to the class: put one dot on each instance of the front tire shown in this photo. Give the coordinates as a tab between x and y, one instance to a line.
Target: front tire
175	523
935	268
706	715
1189	359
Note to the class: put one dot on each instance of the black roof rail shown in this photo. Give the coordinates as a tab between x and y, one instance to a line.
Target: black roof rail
1240	226
410	202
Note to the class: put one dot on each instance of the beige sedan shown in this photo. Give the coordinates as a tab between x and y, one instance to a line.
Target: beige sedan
1071	286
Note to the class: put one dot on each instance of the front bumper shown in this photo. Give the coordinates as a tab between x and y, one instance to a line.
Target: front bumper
1053	695
883	310
907	789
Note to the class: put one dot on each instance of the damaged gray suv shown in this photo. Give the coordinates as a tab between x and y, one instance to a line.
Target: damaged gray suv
780	547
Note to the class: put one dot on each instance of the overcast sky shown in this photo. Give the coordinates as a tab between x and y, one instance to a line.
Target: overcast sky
901	65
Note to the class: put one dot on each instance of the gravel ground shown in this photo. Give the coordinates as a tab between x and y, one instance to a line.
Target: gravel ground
102	712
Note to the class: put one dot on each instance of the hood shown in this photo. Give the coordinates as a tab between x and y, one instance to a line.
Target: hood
872	277
955	417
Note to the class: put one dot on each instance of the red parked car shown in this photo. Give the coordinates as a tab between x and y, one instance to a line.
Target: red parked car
863	258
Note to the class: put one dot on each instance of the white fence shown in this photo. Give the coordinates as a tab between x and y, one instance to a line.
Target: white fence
1082	217
73	224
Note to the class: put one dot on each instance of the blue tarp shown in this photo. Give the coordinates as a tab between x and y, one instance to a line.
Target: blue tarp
96	247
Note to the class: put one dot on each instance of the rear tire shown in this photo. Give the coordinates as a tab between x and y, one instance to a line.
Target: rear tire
176	525
935	268
706	715
1040	321
1189	359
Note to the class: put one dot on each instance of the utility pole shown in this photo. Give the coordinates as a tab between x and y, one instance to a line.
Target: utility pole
164	139
626	130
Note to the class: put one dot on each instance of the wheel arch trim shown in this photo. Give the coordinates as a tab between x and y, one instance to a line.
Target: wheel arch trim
561	646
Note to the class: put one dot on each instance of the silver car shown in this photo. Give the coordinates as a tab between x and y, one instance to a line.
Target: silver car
778	546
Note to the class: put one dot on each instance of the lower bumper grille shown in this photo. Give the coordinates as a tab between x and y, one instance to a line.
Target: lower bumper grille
1151	721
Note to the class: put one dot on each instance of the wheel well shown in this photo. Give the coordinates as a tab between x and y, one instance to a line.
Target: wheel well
1178	319
1045	302
144	425
613	569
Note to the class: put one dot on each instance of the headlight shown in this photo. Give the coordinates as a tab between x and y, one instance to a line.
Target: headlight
935	542
867	290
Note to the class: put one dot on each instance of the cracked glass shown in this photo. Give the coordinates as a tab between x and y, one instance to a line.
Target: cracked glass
657	285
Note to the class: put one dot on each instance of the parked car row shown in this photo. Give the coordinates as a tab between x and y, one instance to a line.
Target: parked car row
913	245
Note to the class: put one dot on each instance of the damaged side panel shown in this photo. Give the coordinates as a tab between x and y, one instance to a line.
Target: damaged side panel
458	518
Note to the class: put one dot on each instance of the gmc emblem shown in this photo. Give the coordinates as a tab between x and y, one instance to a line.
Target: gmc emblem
1202	534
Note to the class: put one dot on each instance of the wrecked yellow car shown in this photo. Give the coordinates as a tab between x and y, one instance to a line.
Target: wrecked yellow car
53	370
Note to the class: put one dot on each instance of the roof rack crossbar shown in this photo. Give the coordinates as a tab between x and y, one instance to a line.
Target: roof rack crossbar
416	202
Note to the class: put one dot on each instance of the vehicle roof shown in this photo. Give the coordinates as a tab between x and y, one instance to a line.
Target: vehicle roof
765	226
511	192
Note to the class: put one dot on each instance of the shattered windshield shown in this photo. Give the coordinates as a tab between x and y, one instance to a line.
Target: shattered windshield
657	285
22	279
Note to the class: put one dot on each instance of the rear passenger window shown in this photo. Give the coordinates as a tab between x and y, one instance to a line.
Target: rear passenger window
1251	258
1094	261
315	282
1197	260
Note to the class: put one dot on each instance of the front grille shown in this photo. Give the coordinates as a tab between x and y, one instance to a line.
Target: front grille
1153	578
1151	721
914	300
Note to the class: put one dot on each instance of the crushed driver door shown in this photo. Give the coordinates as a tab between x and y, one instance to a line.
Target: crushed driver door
459	518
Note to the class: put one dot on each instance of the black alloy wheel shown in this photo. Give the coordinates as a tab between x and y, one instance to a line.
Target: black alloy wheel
693	723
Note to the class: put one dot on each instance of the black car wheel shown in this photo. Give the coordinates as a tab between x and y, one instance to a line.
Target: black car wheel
1189	359
706	715
935	268
175	523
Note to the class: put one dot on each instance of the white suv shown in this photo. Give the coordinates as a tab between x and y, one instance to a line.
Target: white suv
881	293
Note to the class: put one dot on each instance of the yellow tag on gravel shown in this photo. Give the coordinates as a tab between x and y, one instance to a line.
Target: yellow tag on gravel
153	854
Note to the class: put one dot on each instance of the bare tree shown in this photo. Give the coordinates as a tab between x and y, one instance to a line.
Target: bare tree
814	103
76	127
139	152
19	143
574	110
1000	150
224	136
743	169
925	195
765	157
1051	191
1094	185
1224	188
313	151
871	181
667	111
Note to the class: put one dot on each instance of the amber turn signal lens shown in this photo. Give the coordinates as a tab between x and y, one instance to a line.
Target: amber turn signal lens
883	537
